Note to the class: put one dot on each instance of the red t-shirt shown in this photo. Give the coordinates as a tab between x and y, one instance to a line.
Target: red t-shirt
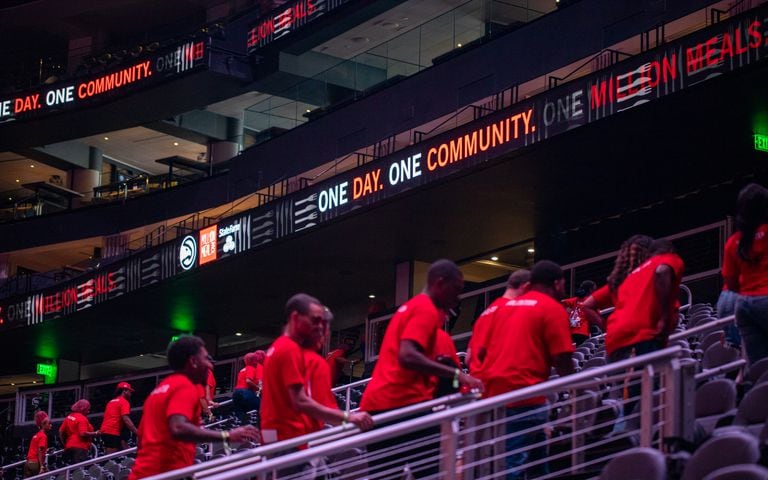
210	381
318	384
158	451
577	320
444	346
333	365
480	335
72	428
40	440
637	306
753	276
284	367
113	415
391	385
604	297
245	373
532	330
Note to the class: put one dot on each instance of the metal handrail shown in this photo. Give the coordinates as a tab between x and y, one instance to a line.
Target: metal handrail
615	53
435	419
256	454
704	328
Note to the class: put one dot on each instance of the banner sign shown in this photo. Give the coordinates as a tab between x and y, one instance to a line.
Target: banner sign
104	86
286	19
706	54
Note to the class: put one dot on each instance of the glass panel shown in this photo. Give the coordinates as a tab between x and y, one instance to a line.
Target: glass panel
34	402
62	403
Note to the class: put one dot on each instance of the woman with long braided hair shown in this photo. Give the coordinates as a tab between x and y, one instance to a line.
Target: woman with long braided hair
745	269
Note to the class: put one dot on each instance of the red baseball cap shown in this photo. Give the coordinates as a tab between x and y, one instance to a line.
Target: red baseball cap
125	385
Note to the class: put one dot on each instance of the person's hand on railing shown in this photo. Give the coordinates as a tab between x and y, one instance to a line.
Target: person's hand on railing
362	420
470	382
248	433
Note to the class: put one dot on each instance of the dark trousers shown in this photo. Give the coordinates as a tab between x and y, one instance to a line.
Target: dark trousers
396	461
75	455
533	418
634	388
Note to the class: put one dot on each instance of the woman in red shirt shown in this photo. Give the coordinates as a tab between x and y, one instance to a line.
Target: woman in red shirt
37	447
745	269
77	433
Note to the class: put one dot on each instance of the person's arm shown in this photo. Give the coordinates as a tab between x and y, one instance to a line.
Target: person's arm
129	423
308	406
564	364
181	429
412	357
41	456
593	317
662	284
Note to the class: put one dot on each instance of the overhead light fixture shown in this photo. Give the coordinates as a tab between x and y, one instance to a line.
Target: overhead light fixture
495	258
238	334
12	384
458	45
531	250
175	144
308	110
17	180
32	165
10	198
141	354
34	381
371	296
106	138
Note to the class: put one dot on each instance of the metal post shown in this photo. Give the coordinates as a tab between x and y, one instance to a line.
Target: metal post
449	433
499	431
646	406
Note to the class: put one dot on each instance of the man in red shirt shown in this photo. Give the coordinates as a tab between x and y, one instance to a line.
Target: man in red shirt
533	336
579	317
517	284
248	386
287	409
37	446
170	425
117	417
403	374
207	392
76	433
336	361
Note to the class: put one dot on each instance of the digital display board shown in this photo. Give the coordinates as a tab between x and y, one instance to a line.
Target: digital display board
701	56
114	82
286	19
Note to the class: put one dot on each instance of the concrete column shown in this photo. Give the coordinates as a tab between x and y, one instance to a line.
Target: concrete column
85	180
223	150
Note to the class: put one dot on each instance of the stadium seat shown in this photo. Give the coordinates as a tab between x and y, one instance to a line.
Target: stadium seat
753	409
595	362
757	370
711	338
718	354
739	472
636	464
730	448
714	400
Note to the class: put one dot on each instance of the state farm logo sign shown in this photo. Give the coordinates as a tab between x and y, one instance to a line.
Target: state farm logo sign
188	252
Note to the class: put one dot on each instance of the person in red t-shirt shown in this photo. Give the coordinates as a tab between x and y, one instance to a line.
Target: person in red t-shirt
579	317
517	284
76	433
207	392
745	269
645	305
336	361
37	446
287	410
248	387
533	334
117	417
445	353
170	425
403	374
319	375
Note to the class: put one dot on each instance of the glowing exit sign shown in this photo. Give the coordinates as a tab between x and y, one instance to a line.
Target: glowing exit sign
761	142
48	371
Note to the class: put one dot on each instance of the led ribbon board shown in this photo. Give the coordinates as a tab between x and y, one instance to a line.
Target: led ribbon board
728	46
99	88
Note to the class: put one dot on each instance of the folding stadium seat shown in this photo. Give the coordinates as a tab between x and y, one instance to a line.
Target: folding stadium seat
95	471
636	463
79	474
585	351
711	338
757	370
753	409
578	356
731	448
714	400
739	472
128	462
718	354
595	362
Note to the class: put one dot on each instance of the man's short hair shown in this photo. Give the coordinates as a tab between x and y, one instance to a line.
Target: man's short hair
181	349
546	272
518	278
442	268
300	303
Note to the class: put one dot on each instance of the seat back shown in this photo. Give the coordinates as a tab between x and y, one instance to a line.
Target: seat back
636	464
731	448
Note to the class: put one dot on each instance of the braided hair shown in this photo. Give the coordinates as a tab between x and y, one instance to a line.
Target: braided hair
633	252
752	206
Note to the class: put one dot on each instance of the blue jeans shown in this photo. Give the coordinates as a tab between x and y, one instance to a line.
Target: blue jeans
726	305
529	417
752	319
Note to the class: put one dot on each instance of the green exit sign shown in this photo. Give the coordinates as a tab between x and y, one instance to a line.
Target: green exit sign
48	371
761	142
